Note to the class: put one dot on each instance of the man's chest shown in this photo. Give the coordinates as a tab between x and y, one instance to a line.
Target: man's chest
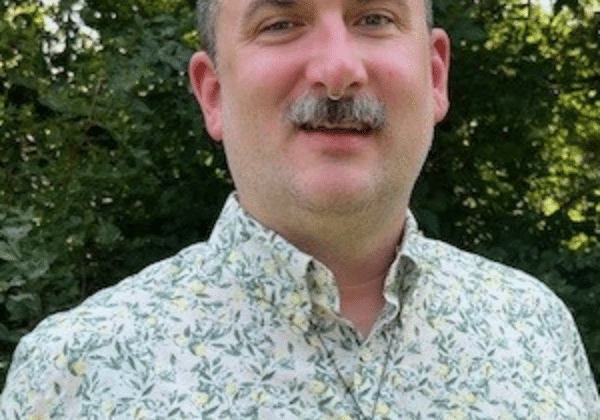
253	372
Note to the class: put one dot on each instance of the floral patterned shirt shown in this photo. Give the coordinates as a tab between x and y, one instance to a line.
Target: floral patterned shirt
246	326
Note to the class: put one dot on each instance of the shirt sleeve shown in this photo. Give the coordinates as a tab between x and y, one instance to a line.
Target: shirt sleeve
42	382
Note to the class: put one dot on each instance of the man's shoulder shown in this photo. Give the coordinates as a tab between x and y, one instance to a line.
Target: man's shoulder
127	330
450	267
500	328
157	295
484	301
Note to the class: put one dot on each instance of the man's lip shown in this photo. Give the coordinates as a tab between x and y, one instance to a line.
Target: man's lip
336	142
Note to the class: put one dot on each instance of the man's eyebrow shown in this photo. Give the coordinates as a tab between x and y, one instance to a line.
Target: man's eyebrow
402	3
256	5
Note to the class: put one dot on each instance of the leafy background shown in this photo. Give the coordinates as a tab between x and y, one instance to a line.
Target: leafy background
105	167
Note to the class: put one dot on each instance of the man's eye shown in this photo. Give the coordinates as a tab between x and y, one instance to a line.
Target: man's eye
375	19
283	25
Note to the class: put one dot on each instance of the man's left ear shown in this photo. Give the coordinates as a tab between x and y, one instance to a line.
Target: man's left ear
440	66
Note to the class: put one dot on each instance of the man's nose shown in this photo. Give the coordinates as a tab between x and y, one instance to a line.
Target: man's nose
336	66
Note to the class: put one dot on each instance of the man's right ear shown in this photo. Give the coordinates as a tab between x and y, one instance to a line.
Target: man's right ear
207	90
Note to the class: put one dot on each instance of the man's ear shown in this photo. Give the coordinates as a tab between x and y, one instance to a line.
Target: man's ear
207	90
440	67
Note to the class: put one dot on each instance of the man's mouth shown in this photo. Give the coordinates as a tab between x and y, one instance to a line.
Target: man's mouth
329	128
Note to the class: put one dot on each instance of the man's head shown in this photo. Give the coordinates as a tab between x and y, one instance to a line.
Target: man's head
289	147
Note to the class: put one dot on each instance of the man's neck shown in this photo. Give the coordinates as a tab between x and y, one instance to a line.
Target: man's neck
360	274
358	247
359	252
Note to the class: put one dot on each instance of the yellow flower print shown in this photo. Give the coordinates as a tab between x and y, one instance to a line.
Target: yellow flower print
260	396
548	405
549	394
180	303
151	321
199	349
367	355
234	257
280	353
528	367
434	321
140	413
295	299
456	414
197	287
201	399
493	280
443	370
270	268
520	326
107	407
382	409
487	369
299	323
465	362
238	296
180	340
468	399
453	293
160	368
231	389
122	315
545	409
31	396
317	387
358	379
260	292
60	361
173	270
396	380
79	367
39	416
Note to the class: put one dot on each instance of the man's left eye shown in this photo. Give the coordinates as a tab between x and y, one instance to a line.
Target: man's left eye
375	19
279	26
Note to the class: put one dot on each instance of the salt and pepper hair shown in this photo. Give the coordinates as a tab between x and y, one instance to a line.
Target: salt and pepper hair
208	10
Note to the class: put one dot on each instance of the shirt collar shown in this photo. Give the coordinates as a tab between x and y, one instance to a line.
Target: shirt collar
276	274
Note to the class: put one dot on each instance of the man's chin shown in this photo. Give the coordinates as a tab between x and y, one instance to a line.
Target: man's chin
335	202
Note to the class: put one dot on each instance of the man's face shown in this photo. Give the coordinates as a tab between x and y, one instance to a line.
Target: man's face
274	53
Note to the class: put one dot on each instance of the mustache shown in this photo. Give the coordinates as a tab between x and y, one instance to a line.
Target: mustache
316	109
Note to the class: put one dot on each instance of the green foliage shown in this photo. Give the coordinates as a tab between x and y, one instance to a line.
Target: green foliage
104	167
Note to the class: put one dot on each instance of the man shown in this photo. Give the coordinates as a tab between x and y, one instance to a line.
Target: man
315	297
